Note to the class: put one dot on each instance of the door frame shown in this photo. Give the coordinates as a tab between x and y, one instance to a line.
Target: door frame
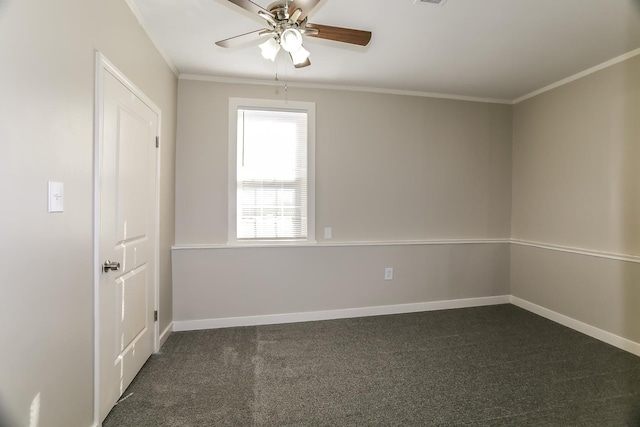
103	65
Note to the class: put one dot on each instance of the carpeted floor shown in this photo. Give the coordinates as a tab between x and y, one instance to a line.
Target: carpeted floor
485	366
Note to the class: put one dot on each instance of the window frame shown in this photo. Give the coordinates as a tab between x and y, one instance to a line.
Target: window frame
232	198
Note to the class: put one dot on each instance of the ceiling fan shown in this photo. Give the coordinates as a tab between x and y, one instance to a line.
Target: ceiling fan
287	24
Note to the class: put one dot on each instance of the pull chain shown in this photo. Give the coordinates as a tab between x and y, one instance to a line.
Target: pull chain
277	80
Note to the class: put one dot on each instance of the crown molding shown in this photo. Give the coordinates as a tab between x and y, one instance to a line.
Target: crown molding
145	28
602	66
303	85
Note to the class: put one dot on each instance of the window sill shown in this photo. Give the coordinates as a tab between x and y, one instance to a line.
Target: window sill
270	244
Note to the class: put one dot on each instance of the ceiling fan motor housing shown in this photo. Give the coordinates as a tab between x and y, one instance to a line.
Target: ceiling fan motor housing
280	10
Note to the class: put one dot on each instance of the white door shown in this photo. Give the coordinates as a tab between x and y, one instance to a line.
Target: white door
127	189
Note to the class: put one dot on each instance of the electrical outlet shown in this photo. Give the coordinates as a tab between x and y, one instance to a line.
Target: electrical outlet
328	233
388	273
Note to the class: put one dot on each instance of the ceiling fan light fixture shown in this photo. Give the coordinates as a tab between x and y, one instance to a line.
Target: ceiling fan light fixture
287	28
291	40
299	56
270	49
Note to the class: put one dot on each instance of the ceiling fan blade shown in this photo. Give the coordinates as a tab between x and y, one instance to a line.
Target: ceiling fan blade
244	38
305	6
344	35
250	6
269	18
304	64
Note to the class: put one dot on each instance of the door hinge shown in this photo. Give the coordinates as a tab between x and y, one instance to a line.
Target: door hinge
155	316
157	141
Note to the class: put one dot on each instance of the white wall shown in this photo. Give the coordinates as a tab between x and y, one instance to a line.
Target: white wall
47	52
388	168
576	184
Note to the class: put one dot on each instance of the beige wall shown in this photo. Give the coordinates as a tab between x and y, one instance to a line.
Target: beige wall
575	151
600	292
47	51
223	283
388	168
576	183
443	167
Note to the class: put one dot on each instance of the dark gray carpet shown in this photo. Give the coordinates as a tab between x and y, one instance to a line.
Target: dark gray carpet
486	366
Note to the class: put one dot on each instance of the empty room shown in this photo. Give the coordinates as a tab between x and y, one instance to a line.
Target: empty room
320	212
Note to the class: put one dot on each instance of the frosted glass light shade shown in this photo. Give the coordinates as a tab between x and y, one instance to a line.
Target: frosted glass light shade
291	40
300	55
270	49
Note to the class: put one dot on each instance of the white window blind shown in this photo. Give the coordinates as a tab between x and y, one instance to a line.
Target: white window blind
271	174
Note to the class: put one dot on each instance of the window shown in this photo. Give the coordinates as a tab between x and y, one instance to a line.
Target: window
271	171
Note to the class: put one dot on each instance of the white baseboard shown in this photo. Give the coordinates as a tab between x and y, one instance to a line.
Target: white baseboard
165	334
592	331
273	319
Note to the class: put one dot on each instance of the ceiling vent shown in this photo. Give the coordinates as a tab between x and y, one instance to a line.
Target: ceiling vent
435	2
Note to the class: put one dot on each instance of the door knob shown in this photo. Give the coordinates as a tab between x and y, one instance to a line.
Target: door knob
110	265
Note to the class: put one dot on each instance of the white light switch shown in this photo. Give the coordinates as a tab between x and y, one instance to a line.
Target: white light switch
56	196
327	233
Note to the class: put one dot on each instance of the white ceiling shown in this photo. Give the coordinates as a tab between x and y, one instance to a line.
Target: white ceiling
497	49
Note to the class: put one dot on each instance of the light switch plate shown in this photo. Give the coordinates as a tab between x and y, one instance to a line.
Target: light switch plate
56	196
